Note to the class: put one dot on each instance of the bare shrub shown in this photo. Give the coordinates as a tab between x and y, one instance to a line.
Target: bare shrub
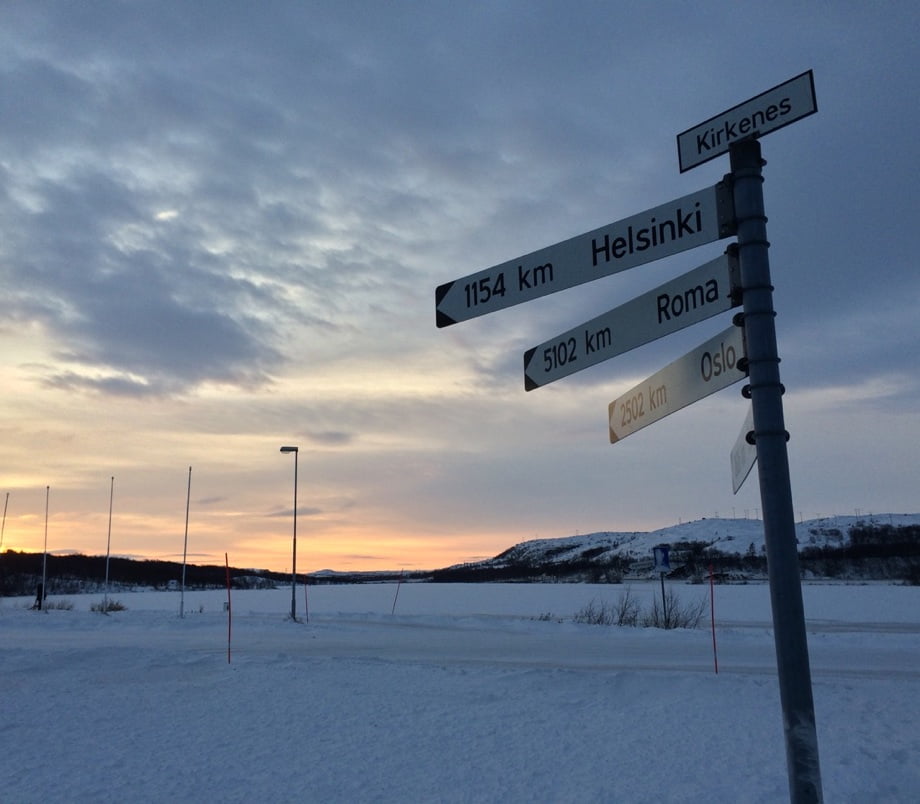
599	612
671	613
58	605
627	612
627	609
109	605
596	612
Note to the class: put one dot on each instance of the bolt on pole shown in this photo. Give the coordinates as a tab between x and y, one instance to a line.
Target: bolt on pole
773	469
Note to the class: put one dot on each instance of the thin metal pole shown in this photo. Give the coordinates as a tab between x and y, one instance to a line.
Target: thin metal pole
3	526
188	501
712	615
294	557
664	603
41	593
773	470
396	596
108	550
229	608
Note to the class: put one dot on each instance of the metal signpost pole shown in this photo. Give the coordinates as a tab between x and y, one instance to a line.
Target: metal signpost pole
773	469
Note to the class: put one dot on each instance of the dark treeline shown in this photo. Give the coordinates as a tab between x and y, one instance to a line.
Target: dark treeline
871	552
881	552
609	570
21	572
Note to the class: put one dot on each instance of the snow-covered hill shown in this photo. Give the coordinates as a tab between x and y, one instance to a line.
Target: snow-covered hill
629	553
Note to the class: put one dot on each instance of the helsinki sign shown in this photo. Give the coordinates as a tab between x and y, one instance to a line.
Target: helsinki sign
685	223
784	104
702	371
697	295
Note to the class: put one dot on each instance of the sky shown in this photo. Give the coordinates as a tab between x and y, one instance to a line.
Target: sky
222	226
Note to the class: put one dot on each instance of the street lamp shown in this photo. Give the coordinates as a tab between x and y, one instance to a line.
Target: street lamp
41	589
296	451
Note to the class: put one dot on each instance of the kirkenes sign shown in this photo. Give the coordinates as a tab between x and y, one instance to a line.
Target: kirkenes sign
711	367
771	110
699	294
685	223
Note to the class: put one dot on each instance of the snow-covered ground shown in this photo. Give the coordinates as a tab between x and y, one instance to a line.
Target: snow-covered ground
466	693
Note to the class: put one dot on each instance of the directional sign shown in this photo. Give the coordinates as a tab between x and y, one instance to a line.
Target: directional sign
769	111
744	453
682	224
697	295
699	373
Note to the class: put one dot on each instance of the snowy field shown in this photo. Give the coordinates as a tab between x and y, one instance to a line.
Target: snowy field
467	693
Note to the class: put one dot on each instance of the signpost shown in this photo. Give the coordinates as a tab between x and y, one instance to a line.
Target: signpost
699	294
771	110
685	223
731	207
714	365
744	453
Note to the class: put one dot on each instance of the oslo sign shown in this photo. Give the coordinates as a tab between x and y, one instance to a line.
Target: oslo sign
699	294
685	223
784	104
710	367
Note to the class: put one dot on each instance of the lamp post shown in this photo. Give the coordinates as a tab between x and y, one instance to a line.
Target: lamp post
108	549
296	452
41	589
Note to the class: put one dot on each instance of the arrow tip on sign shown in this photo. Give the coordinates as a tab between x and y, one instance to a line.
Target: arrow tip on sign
441	291
529	383
443	320
613	436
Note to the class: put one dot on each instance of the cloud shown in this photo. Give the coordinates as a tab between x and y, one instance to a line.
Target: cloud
331	438
223	228
301	511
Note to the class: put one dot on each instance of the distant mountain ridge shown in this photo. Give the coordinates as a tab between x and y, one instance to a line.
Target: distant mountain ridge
882	546
877	547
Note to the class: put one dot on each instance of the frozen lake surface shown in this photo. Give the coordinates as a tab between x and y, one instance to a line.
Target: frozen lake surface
462	693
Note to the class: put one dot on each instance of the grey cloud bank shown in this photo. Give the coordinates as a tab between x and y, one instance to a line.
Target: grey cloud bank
223	227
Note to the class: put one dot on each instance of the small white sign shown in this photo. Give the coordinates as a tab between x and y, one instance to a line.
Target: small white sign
662	556
771	110
744	453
